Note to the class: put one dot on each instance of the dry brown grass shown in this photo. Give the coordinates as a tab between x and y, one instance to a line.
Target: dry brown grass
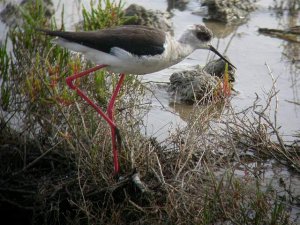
190	179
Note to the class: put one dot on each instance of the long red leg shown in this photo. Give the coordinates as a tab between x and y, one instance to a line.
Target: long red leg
110	110
70	80
109	116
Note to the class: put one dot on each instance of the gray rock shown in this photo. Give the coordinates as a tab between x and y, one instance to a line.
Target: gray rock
199	84
177	4
229	11
152	18
196	84
217	68
11	15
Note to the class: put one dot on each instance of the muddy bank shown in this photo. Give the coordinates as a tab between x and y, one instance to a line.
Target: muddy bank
291	34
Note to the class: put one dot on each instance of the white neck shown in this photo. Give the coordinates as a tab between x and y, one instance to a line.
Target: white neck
185	38
178	49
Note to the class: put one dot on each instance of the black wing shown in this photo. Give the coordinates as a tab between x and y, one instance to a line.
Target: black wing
138	40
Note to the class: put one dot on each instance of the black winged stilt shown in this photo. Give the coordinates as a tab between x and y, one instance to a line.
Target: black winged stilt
130	49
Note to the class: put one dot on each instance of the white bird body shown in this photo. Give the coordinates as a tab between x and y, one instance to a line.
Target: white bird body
135	49
122	61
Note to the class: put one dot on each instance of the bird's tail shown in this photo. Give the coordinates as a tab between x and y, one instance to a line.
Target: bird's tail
53	33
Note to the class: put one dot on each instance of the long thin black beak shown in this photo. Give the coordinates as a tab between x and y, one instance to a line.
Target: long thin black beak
210	47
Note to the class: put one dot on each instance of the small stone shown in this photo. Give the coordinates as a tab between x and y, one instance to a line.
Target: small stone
152	18
199	84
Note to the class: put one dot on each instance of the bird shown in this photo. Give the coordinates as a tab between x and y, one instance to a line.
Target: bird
129	49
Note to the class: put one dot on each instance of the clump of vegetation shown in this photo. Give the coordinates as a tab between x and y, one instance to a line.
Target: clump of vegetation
106	14
56	155
45	113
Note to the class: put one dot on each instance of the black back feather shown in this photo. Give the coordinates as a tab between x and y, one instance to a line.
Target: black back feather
138	40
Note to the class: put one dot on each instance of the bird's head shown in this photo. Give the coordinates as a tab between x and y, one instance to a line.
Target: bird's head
198	36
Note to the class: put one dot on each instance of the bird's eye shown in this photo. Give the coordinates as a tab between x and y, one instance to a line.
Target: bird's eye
204	35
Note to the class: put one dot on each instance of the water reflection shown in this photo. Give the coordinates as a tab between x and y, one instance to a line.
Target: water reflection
221	30
292	6
291	52
291	55
198	112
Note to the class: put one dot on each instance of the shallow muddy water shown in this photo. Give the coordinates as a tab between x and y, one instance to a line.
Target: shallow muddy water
250	52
